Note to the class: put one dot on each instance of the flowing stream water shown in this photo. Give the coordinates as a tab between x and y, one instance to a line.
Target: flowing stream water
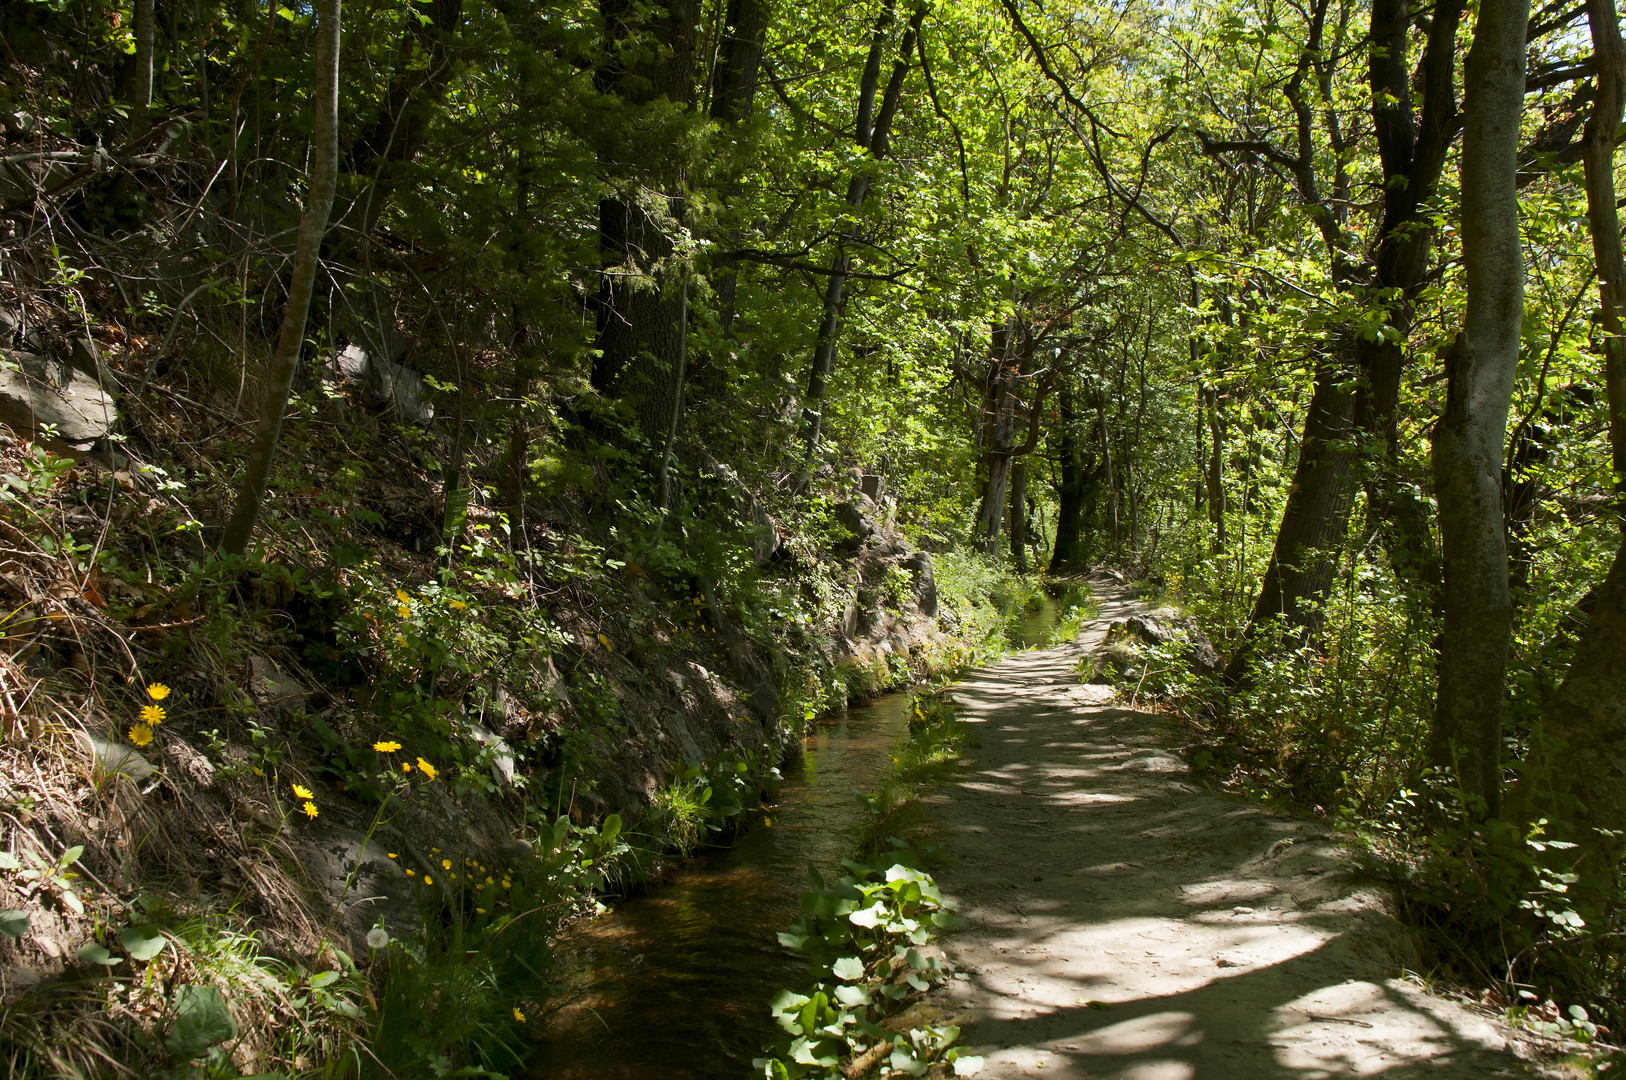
676	983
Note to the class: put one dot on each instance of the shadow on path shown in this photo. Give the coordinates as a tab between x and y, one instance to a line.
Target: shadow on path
1125	923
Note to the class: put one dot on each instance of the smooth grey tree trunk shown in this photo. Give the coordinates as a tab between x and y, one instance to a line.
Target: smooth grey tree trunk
307	255
1585	722
1477	612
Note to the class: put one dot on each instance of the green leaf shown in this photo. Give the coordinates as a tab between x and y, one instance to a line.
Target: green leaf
325	978
970	1065
8	861
202	1020
612	829
71	856
851	996
13	924
71	901
869	917
97	954
142	942
848	969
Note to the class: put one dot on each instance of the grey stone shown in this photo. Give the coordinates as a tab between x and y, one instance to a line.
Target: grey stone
399	388
10	323
502	755
116	759
873	486
857	524
919	566
402	389
271	688
35	392
86	358
350	362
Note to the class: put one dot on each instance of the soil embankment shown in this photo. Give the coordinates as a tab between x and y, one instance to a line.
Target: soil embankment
1126	924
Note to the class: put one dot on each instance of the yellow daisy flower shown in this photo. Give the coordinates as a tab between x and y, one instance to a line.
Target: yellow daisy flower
458	605
427	880
403	611
519	1017
445	864
310	809
403	596
427	769
303	792
389	746
406	766
152	715
140	734
158	691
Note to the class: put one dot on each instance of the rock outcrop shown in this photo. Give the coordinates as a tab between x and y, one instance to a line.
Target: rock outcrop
39	396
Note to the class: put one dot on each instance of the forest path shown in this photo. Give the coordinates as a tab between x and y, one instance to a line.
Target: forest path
1124	923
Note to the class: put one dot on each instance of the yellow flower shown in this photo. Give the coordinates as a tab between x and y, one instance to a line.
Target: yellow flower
445	864
392	854
158	691
406	766
403	611
310	809
458	605
399	640
402	595
479	911
152	715
140	734
303	792
427	769
604	640
411	872
427	880
387	747
519	1017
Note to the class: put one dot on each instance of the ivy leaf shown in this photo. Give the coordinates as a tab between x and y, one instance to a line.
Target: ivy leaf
98	954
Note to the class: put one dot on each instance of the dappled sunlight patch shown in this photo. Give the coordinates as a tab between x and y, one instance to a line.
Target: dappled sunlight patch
1143	1033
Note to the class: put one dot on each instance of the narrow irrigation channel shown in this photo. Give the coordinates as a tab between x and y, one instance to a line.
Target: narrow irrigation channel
676	983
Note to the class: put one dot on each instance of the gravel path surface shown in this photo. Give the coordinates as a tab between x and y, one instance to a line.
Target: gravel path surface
1125	923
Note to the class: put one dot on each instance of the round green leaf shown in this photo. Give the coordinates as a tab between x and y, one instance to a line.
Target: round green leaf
13	924
97	954
848	968
142	942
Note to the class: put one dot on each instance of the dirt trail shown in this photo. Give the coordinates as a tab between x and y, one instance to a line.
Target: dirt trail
1125	923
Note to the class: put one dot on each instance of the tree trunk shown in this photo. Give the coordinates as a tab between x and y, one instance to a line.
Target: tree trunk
640	307
1216	471
1585	722
423	71
732	101
1476	610
312	227
1019	515
1068	554
1299	576
872	135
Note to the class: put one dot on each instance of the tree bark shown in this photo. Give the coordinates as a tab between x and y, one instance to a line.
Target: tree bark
1019	515
640	308
1413	154
1216	470
1072	496
872	135
1299	576
1477	612
312	227
1585	723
